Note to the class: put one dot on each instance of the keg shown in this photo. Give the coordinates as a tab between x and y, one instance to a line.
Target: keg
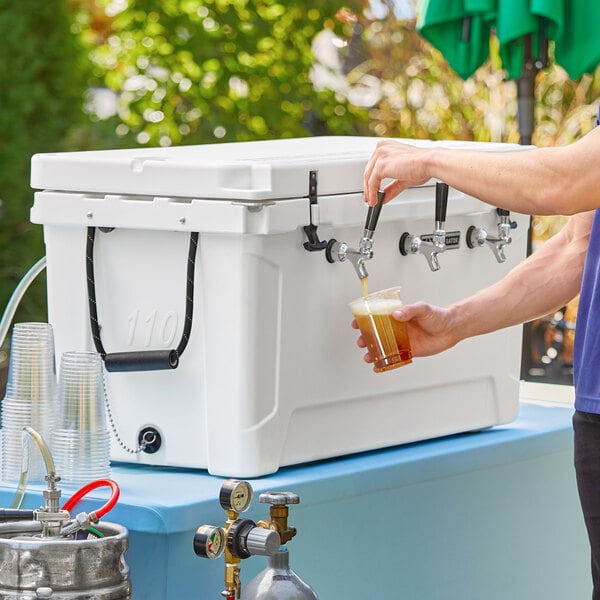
65	568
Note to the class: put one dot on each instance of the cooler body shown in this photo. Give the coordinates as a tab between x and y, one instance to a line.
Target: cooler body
271	374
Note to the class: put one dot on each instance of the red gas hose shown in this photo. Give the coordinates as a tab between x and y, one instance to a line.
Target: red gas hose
79	494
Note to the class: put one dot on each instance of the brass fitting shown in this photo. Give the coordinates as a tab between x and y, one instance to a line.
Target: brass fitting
232	579
279	513
232	570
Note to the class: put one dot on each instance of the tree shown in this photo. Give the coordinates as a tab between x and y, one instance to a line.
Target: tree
41	90
198	72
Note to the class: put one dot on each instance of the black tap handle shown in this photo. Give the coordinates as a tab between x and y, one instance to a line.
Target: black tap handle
374	212
441	201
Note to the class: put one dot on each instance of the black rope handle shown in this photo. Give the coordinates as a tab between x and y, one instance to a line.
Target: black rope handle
140	360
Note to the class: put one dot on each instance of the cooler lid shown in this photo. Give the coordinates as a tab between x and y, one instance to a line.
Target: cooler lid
251	171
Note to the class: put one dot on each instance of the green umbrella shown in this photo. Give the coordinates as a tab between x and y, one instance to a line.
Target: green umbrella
461	29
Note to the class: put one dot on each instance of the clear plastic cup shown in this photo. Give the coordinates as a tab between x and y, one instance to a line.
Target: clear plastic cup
30	397
386	339
80	441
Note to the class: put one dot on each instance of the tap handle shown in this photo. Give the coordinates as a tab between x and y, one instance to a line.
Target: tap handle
441	201
374	211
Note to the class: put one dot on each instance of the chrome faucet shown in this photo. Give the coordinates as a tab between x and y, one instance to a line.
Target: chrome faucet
479	237
341	251
432	244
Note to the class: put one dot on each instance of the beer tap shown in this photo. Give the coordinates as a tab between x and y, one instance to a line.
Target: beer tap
340	251
431	244
479	237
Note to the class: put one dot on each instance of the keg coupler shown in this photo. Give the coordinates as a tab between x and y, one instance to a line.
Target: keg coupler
242	538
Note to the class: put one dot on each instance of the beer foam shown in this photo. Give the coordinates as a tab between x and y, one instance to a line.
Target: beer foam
376	306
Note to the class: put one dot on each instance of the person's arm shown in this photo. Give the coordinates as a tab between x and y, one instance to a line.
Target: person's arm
542	181
541	284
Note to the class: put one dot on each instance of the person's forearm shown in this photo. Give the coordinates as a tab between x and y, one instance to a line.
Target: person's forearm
544	282
545	181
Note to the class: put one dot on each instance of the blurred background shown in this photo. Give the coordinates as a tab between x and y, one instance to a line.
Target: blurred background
93	74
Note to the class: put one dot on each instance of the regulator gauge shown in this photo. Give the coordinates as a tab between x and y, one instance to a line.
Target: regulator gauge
235	495
209	541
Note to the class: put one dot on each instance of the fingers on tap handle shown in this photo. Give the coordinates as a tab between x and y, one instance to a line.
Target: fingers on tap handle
441	200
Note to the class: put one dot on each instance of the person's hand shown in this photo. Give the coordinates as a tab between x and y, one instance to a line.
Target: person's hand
397	161
430	329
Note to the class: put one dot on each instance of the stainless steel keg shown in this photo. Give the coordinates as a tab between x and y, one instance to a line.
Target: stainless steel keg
59	568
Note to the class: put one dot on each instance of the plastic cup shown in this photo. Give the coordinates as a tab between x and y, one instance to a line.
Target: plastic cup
30	397
80	442
386	339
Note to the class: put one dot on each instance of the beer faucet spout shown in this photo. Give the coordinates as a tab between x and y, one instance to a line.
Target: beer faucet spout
477	237
433	244
341	251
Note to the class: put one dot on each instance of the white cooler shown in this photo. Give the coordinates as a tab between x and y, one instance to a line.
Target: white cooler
271	374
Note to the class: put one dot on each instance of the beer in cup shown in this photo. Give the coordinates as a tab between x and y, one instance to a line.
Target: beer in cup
386	339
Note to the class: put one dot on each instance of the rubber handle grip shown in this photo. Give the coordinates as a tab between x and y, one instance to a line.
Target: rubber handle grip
374	212
142	360
441	201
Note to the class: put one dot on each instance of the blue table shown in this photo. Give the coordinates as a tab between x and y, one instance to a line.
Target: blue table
491	515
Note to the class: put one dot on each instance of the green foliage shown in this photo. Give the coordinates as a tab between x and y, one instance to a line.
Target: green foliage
40	95
191	71
565	110
203	71
420	96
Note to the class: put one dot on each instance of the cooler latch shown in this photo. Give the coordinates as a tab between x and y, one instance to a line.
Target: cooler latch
313	244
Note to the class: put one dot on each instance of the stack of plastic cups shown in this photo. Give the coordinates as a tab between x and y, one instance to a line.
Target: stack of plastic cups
30	397
80	441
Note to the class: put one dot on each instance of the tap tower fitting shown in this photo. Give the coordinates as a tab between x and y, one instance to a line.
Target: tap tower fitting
341	251
432	244
478	237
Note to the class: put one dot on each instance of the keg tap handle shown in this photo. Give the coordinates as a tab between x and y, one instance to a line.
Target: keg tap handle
373	213
441	204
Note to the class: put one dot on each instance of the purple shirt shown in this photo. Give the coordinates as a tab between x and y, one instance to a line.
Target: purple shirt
586	359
